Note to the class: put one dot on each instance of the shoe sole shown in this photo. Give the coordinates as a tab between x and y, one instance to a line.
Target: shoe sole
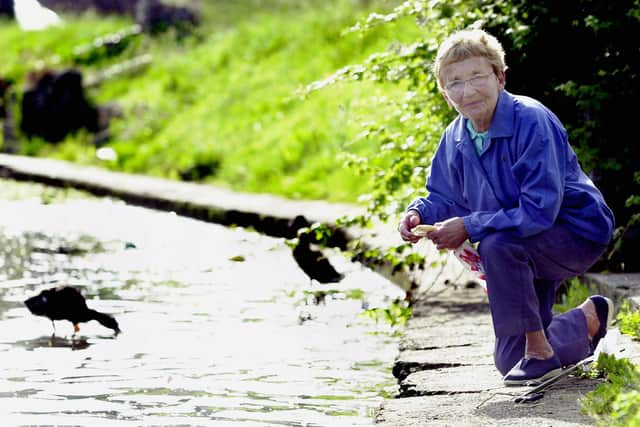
533	381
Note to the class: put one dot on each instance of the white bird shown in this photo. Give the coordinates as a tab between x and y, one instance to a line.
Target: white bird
32	16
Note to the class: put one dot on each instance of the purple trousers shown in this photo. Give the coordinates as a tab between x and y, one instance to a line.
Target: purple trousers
522	277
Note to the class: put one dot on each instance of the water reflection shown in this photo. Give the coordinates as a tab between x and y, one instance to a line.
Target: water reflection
210	319
73	342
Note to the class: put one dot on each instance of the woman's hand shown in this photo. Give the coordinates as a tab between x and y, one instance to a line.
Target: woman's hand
410	220
450	234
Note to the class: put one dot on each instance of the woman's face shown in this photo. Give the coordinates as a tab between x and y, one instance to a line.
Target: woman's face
472	88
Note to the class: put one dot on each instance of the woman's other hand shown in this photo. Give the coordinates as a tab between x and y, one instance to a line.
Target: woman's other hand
410	220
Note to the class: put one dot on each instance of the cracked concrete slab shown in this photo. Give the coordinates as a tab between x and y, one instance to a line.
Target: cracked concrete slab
452	380
423	334
454	355
490	407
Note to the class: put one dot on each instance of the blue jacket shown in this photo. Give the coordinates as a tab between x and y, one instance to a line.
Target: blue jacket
526	179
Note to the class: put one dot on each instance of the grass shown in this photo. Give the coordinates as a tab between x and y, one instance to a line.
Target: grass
223	100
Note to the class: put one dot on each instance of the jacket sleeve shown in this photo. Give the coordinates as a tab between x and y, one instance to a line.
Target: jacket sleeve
444	199
540	171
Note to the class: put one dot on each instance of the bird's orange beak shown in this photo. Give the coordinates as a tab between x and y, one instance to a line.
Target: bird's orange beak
76	328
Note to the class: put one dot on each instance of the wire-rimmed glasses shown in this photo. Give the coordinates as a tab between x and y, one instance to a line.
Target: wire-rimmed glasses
456	87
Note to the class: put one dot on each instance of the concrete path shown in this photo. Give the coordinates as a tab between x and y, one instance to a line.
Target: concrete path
444	367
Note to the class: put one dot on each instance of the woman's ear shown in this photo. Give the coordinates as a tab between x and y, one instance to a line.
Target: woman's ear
502	79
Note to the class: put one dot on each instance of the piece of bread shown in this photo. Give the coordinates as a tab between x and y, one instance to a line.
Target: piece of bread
422	229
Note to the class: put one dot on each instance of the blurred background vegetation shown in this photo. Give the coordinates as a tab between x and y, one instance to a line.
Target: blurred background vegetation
220	105
333	99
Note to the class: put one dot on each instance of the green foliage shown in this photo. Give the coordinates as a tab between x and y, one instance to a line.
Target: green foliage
575	294
396	314
617	401
629	320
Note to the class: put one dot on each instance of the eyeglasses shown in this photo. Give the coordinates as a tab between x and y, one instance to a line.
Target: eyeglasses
457	86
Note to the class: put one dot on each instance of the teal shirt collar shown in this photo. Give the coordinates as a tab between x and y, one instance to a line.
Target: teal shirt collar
478	138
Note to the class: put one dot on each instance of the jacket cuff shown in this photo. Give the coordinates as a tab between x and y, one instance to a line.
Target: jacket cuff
473	228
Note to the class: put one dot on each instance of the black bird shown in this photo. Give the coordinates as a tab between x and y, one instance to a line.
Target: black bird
313	262
67	303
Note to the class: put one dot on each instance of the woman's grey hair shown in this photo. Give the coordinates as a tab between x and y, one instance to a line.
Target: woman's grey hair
466	44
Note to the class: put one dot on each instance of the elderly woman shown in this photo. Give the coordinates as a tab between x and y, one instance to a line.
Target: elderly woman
504	175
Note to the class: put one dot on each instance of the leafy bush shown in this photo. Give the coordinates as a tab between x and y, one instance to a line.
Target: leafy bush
617	401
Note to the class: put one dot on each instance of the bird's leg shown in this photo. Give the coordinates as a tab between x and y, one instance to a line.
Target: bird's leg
76	328
54	328
311	299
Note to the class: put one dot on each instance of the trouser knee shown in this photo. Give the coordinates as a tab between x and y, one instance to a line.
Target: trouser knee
496	245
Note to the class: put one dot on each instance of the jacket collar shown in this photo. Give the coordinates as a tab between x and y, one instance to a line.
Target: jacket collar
503	118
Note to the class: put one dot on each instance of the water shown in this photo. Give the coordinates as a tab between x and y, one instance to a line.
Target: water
217	327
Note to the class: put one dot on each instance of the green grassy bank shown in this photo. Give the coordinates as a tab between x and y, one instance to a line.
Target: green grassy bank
224	98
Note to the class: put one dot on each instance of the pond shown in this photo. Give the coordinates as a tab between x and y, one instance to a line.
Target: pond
219	325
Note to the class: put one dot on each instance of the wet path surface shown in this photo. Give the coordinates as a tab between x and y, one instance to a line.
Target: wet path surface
215	324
